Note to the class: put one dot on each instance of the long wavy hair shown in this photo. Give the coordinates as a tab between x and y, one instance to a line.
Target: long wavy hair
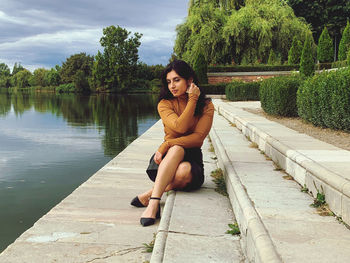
185	71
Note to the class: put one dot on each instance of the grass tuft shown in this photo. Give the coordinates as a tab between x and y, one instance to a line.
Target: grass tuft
234	229
219	180
150	245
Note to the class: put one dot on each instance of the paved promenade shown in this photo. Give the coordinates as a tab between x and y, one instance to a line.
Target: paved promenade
97	224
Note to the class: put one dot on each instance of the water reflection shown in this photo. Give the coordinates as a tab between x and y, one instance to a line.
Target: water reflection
50	144
117	115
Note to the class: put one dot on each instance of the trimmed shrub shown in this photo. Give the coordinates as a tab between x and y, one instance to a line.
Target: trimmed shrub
324	99
200	67
278	95
325	48
294	53
239	90
256	68
344	44
216	89
307	62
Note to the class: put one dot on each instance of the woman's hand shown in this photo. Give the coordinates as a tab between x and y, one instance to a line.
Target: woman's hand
158	157
194	89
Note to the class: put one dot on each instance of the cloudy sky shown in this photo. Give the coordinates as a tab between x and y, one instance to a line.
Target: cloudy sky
43	33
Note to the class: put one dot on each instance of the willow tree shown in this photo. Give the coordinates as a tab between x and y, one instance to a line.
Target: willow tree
261	25
223	4
202	33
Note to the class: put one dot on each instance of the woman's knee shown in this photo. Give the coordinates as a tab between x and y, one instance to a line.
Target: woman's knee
176	149
183	174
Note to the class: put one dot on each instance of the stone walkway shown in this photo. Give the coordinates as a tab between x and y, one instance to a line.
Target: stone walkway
97	224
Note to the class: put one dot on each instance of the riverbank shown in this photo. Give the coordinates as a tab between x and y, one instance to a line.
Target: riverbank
272	208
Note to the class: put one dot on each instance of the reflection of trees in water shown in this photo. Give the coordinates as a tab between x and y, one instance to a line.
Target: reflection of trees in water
117	115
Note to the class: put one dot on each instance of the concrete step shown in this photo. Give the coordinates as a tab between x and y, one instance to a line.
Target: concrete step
276	221
194	224
311	162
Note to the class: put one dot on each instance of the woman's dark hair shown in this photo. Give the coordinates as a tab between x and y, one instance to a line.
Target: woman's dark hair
185	71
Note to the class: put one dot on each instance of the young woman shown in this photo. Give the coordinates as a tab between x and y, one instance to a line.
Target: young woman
187	117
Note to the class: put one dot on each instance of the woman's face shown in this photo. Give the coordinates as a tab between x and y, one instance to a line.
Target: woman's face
176	84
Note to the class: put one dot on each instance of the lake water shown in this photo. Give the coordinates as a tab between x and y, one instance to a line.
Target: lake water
50	144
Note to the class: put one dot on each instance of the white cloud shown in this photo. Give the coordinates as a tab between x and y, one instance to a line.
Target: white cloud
44	33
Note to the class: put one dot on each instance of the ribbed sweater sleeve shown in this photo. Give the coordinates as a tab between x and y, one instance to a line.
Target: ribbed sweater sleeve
196	138
179	124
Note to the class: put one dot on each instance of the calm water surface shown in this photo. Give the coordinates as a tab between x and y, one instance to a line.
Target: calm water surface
50	144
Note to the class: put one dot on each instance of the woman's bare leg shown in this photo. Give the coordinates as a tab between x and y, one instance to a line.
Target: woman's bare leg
182	177
165	176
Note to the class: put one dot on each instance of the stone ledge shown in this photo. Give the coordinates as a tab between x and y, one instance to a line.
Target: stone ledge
303	168
256	241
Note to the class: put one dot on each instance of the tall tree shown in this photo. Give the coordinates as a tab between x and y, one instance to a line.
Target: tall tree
21	78
294	53
202	32
38	78
307	61
320	13
325	47
4	76
115	66
17	67
74	63
344	45
262	25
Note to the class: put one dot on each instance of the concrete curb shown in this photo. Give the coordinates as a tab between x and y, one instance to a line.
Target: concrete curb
303	169
257	243
162	231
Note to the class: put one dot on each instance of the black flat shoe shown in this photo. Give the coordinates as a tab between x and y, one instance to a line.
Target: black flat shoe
136	202
148	221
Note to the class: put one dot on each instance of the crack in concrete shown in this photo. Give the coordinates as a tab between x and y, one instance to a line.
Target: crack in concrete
189	234
117	253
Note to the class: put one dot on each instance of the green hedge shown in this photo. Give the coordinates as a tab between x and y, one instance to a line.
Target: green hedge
252	68
238	90
278	95
217	89
324	99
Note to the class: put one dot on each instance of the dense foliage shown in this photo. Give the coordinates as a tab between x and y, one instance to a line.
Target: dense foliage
324	99
200	67
321	13
114	68
325	48
239	90
278	95
344	45
244	34
307	62
294	53
77	69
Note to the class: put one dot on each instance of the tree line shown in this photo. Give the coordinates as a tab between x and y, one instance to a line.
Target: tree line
257	31
116	69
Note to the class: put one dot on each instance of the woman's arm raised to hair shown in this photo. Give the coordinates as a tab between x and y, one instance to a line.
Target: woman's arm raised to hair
179	124
196	138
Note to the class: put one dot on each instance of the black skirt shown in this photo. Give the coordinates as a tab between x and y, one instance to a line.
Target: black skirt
192	155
